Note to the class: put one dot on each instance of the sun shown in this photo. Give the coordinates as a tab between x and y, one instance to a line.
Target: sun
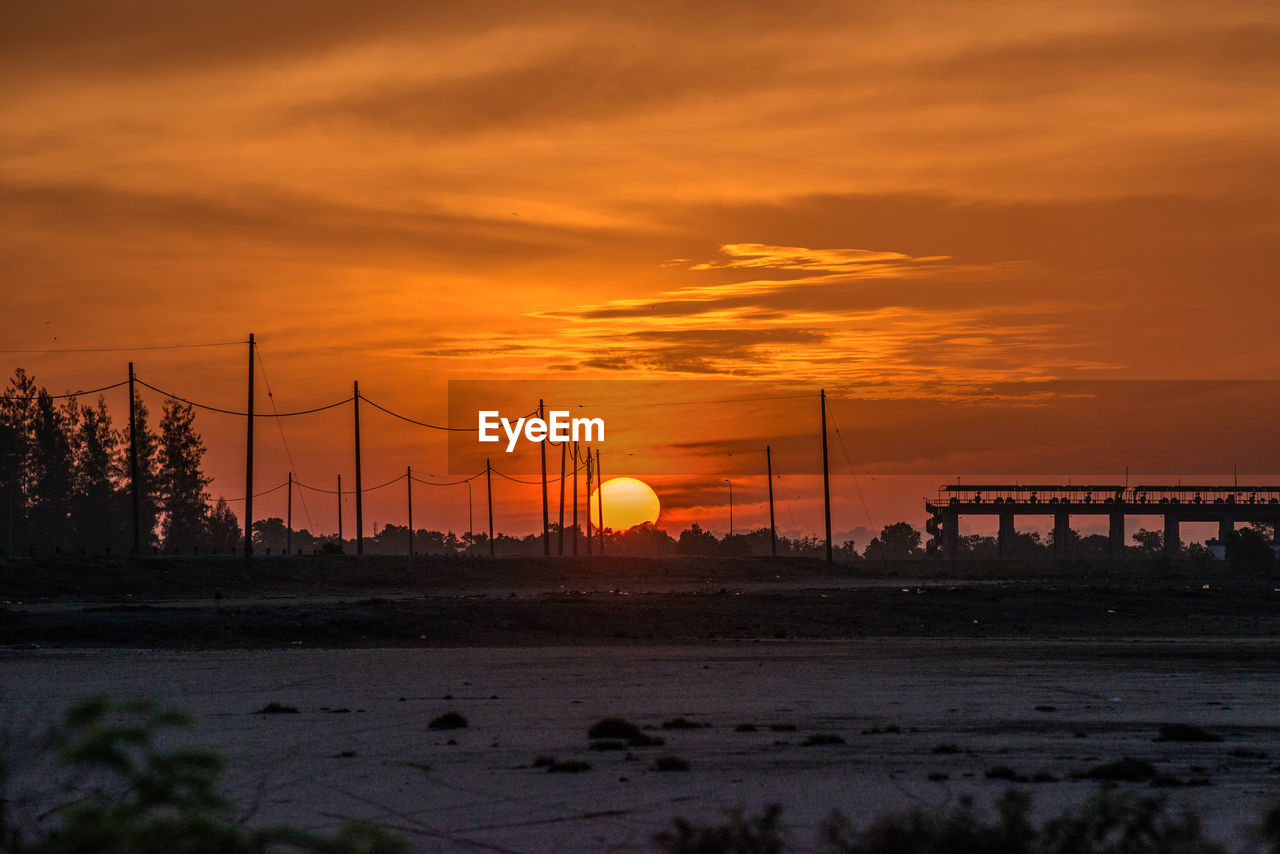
627	502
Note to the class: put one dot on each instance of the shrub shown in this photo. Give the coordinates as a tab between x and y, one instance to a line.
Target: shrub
144	799
762	834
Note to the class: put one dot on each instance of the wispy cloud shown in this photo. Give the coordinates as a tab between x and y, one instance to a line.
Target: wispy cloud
748	255
850	316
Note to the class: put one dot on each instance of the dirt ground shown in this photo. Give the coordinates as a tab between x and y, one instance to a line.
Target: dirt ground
359	745
196	603
929	683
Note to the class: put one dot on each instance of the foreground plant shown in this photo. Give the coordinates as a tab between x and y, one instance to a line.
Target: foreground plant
1108	823
131	797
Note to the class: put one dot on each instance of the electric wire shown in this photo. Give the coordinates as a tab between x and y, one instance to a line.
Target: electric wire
695	402
849	463
241	414
126	349
68	394
275	488
446	483
416	421
257	349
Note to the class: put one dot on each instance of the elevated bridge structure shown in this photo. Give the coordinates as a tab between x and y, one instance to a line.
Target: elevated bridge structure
1226	505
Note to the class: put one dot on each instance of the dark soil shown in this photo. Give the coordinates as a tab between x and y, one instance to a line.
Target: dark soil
341	602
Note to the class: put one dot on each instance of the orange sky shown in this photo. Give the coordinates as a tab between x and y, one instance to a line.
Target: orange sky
867	196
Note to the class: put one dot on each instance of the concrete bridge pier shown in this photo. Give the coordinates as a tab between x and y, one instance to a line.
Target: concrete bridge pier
1172	539
950	534
1061	533
1007	533
1117	536
1226	527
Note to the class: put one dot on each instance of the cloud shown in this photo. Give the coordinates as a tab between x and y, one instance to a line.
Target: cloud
286	223
751	255
576	84
833	324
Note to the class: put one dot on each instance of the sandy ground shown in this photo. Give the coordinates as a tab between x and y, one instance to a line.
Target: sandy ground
377	760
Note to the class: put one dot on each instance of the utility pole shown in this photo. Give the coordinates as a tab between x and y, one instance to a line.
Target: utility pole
546	519
488	479
340	540
826	473
564	451
248	464
773	531
359	491
408	481
575	498
588	501
730	506
288	528
133	469
600	502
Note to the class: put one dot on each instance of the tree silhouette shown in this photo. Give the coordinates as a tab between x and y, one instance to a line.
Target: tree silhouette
182	483
224	529
1150	543
148	453
898	541
270	533
49	491
695	541
15	456
98	478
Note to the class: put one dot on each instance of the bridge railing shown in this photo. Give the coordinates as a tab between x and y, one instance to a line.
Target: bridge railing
1105	494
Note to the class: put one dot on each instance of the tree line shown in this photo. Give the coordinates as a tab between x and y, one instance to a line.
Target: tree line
65	478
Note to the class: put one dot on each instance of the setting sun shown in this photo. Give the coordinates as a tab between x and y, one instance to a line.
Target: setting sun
627	502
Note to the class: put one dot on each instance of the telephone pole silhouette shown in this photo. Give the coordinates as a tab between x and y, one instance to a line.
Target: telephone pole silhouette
248	464
826	474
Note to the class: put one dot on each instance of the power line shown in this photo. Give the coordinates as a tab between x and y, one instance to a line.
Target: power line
414	420
302	485
849	463
695	402
280	424
235	412
347	492
125	349
258	494
447	483
786	500
69	394
395	479
539	482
